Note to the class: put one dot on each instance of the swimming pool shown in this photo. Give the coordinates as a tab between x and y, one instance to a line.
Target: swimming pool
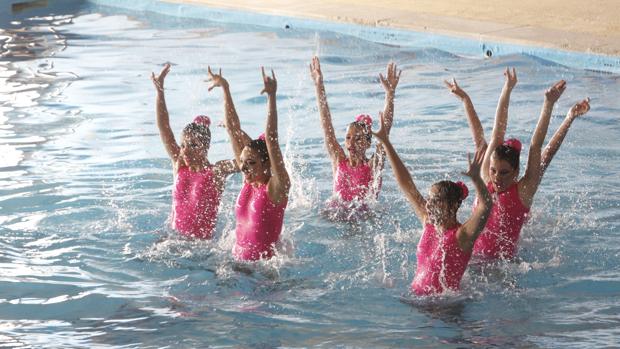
86	258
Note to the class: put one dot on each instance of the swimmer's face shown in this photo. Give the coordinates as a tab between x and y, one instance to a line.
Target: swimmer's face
254	170
356	140
193	151
437	206
502	174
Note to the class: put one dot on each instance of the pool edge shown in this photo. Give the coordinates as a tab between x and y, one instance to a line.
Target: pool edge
460	45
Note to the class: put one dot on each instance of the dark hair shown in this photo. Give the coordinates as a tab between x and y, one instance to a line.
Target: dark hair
450	191
201	131
260	146
508	154
364	127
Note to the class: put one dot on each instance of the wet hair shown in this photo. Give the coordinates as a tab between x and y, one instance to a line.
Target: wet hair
364	127
451	192
508	154
260	146
198	130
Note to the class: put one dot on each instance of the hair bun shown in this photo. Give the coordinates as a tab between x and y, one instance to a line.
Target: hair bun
364	119
464	190
261	136
202	120
514	144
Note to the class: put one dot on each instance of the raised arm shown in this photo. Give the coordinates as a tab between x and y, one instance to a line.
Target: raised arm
469	231
389	83
533	171
238	138
477	132
402	175
501	120
335	151
557	139
279	183
163	119
223	168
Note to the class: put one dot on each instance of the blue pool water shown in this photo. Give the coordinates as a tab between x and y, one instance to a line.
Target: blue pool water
87	258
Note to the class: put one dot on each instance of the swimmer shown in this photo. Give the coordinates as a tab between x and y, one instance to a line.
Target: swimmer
513	197
198	184
446	245
353	172
259	210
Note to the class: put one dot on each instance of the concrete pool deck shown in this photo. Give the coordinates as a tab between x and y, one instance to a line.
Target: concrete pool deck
572	25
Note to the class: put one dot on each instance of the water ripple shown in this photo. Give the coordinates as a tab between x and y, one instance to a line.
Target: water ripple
87	258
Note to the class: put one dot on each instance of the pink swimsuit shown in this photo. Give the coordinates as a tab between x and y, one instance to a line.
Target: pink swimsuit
441	262
259	223
501	233
195	202
352	182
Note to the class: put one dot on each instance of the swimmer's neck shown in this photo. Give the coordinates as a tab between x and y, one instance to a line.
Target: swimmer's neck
357	159
263	180
197	166
445	225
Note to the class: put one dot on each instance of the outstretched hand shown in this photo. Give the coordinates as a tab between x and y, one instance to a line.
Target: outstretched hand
555	91
455	88
215	79
381	134
158	80
473	170
580	108
511	78
271	84
390	81
315	71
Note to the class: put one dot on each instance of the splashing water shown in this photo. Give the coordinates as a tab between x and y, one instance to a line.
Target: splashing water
87	258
